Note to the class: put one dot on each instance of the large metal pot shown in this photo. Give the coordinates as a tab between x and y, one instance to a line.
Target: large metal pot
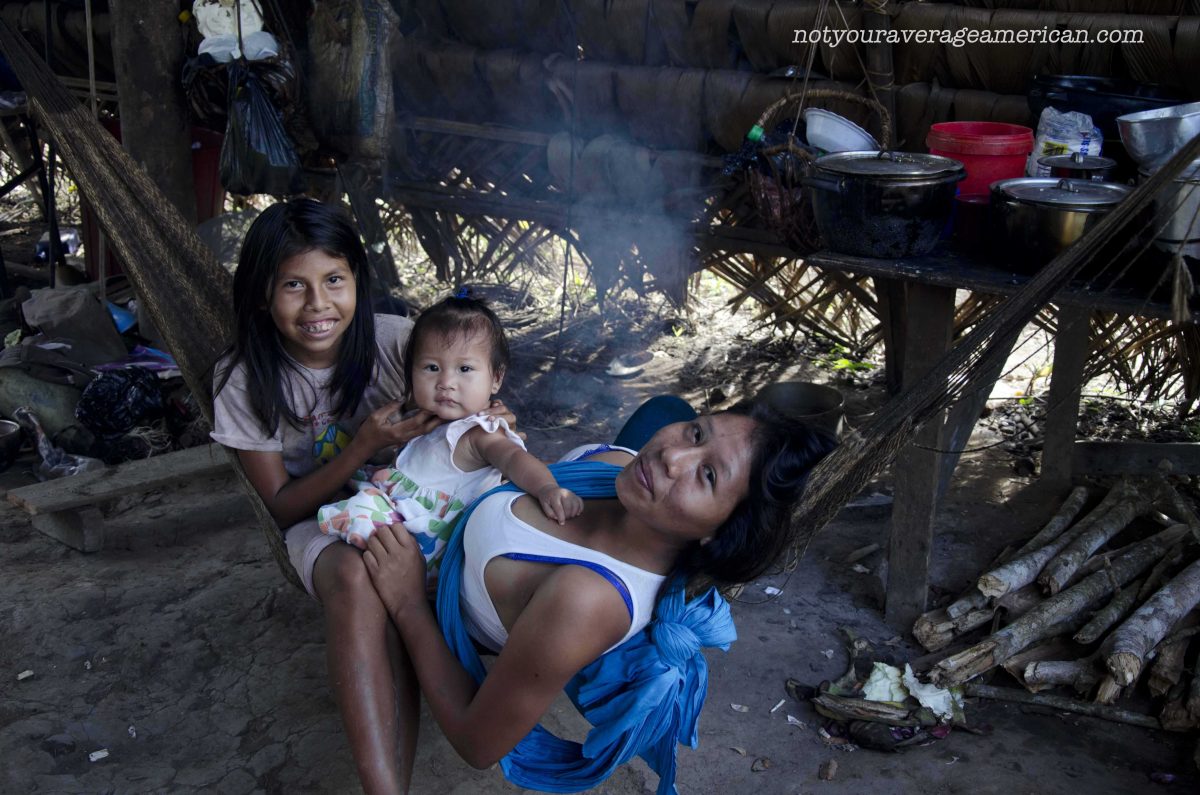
882	204
1036	218
1176	221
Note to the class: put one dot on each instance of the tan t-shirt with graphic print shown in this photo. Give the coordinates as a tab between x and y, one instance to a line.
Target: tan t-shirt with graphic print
321	434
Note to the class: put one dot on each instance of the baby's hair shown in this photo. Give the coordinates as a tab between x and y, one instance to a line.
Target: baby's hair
285	230
453	317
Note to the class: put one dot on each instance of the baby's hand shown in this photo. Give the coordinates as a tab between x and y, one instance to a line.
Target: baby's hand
559	504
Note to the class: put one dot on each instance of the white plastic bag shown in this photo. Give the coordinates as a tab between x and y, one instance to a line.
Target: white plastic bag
1062	133
56	462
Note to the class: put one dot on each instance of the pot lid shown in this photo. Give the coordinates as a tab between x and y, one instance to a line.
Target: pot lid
1062	193
1078	161
890	165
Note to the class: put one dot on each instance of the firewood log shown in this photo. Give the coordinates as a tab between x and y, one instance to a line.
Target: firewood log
1175	717
1053	649
1059	571
1158	574
1080	674
935	630
1117	608
1167	669
1108	691
1058	523
1019	602
973	599
1193	697
1126	648
1058	614
1024	569
1059	703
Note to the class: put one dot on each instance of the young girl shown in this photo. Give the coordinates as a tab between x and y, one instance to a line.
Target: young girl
455	361
305	398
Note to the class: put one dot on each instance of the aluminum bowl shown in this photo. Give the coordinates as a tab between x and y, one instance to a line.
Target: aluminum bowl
10	443
1151	137
833	133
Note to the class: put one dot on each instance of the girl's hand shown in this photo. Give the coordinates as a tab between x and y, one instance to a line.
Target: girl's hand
386	427
397	569
559	504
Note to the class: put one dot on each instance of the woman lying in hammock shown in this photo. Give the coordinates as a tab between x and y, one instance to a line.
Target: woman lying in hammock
565	606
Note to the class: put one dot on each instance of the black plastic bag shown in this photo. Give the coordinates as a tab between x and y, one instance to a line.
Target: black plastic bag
117	400
258	156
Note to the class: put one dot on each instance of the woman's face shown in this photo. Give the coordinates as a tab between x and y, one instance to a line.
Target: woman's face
690	476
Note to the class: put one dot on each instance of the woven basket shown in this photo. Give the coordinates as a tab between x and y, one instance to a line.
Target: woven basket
776	189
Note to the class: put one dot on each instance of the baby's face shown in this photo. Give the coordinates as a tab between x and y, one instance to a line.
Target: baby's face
454	378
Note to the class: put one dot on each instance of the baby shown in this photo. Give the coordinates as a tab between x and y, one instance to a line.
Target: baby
454	362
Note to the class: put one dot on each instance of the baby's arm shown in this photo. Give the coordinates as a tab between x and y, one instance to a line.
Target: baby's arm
534	477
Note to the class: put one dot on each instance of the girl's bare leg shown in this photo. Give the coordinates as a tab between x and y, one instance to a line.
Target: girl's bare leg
372	678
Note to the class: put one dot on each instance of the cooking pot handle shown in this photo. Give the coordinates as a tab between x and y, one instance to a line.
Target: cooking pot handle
822	183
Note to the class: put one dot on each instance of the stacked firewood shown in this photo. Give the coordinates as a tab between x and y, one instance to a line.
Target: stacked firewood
1097	603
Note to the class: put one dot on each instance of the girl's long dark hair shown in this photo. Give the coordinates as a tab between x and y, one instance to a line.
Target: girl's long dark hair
283	231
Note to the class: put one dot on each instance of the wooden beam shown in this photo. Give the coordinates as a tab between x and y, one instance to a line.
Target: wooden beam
1134	458
145	474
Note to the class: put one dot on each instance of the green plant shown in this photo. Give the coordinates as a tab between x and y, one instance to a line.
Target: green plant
838	359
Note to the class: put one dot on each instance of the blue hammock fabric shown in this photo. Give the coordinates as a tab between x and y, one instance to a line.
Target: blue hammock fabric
642	698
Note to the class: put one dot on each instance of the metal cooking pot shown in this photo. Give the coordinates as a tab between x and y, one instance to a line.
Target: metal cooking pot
1177	211
1079	166
882	204
1036	218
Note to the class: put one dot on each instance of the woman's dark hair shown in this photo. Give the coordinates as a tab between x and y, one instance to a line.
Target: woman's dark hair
285	230
453	317
758	532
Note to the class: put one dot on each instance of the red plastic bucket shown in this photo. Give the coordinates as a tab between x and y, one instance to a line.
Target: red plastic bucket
990	150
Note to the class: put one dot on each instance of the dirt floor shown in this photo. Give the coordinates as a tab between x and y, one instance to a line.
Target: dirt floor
181	651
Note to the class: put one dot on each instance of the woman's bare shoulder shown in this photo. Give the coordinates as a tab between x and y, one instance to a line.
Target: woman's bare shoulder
618	457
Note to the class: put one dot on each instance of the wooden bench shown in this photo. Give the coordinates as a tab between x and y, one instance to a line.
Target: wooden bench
66	509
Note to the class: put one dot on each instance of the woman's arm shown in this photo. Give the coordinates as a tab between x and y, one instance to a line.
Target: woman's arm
292	499
573	616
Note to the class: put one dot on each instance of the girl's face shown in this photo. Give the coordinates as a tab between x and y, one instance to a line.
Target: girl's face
454	378
686	481
312	302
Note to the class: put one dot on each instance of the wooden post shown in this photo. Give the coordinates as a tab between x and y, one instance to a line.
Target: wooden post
890	297
1071	346
147	58
930	321
880	73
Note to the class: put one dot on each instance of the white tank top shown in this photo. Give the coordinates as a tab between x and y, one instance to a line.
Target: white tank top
494	530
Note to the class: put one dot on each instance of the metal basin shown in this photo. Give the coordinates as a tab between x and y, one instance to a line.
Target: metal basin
10	443
1151	137
816	404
